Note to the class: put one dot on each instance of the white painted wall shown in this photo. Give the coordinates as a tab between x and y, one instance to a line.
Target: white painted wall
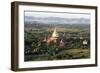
5	38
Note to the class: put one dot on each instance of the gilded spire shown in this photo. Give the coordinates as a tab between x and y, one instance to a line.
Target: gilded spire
55	34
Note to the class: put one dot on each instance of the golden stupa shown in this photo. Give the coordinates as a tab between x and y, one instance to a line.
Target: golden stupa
54	37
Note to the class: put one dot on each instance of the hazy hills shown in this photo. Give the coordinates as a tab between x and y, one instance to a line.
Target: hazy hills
56	20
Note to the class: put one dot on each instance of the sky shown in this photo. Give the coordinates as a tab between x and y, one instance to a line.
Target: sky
58	14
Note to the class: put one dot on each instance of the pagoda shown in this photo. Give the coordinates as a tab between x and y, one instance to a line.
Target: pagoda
54	37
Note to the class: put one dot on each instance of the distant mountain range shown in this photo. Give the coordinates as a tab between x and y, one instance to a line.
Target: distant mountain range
56	20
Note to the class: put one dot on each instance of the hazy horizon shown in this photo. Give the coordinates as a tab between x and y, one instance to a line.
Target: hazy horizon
56	18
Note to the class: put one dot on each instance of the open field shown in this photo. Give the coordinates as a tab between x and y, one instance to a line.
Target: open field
61	55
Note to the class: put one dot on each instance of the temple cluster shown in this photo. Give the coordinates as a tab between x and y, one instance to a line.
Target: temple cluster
55	39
